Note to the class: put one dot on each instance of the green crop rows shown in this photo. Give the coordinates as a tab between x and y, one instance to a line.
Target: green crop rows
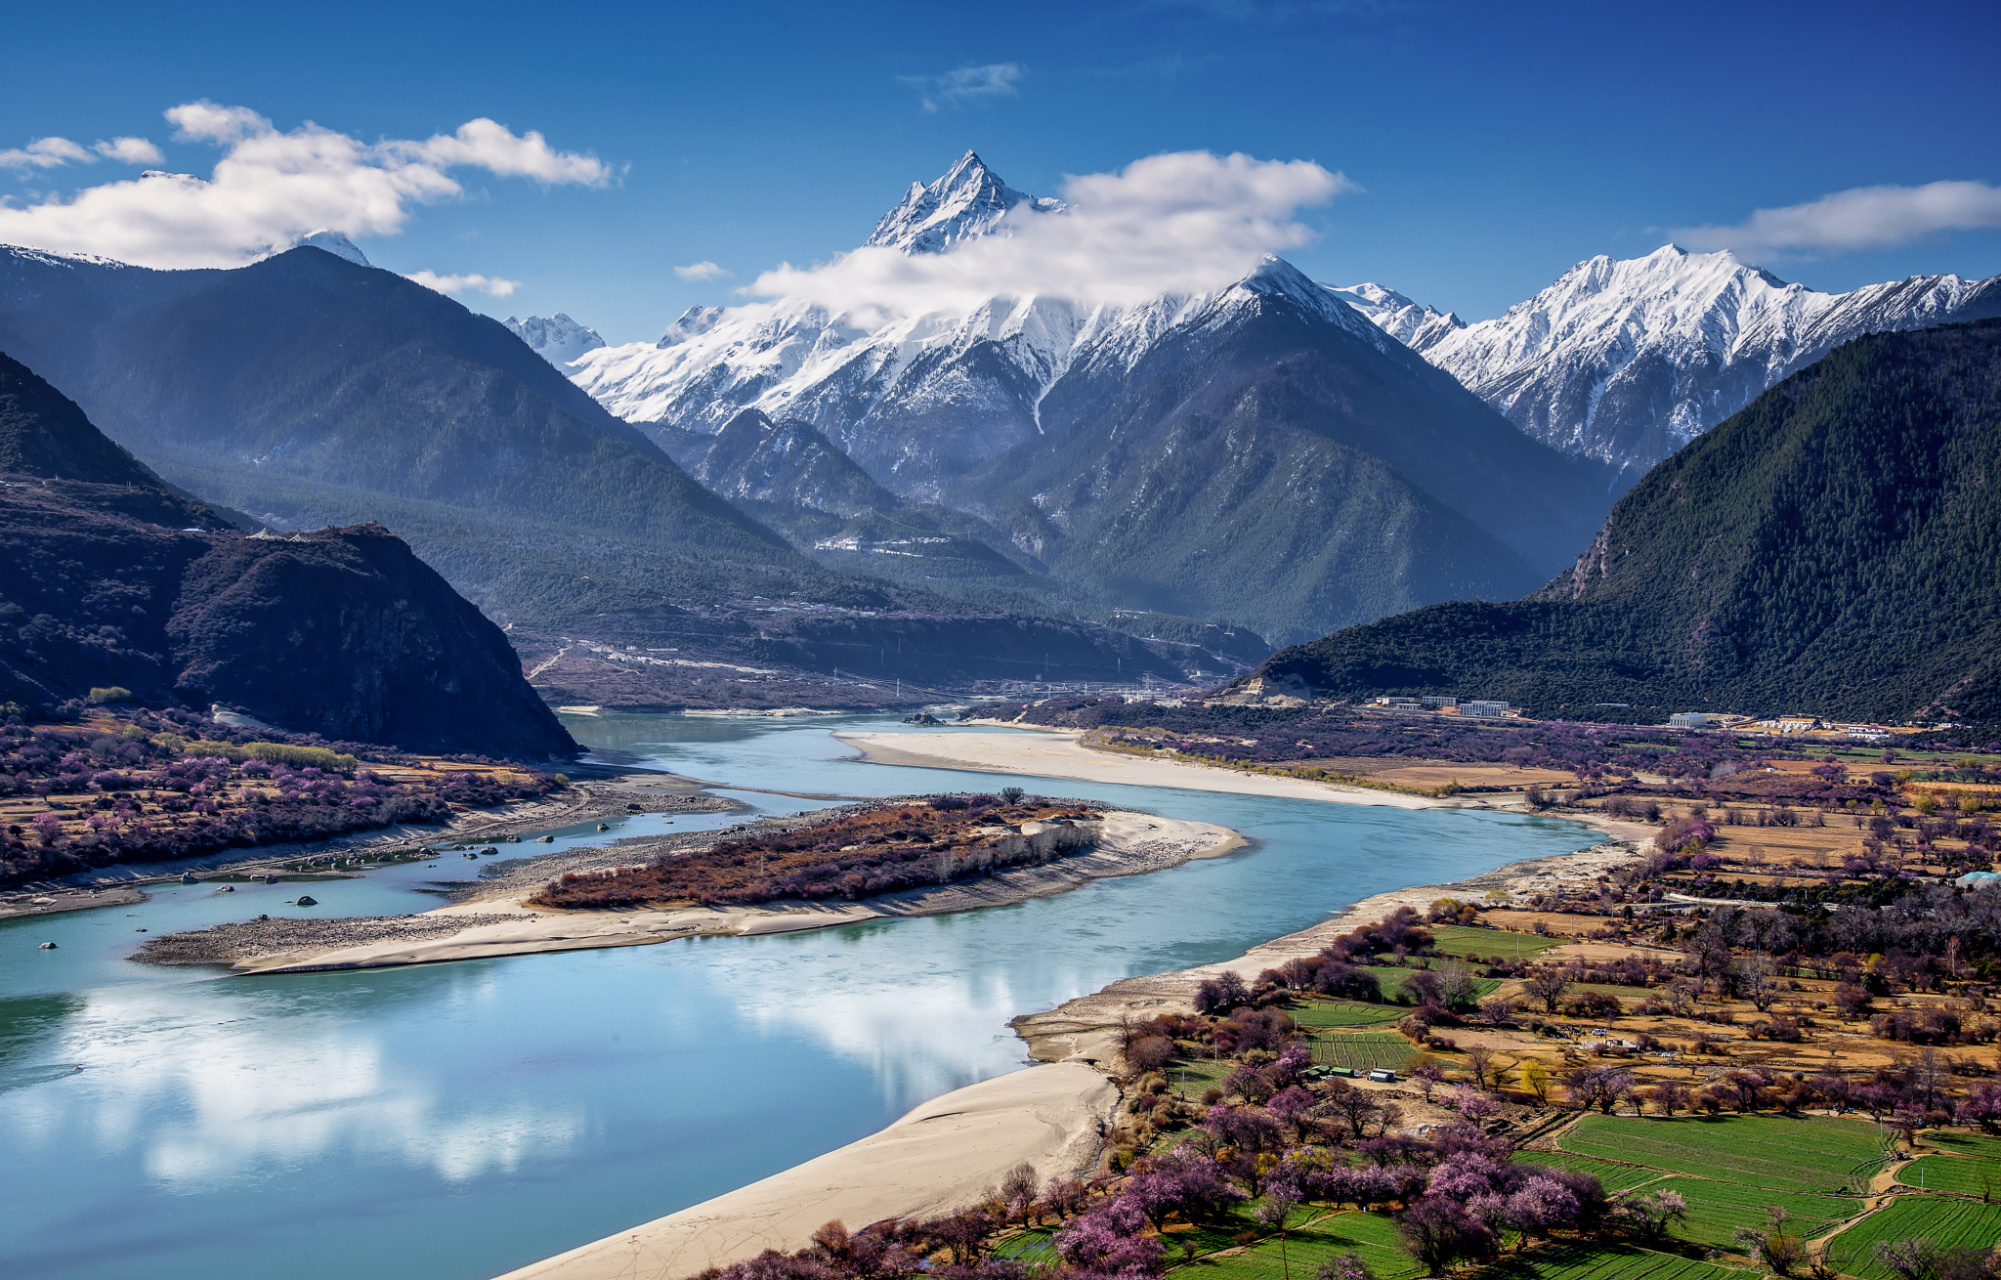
1717	1209
1611	1262
1461	940
1615	1177
1964	1175
1372	1236
1940	1219
1319	1014
1801	1155
1362	1050
1036	1246
1967	1144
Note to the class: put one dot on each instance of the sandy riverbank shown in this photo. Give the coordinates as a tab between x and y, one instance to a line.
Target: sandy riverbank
1058	753
1083	1029
891	1172
942	1156
498	921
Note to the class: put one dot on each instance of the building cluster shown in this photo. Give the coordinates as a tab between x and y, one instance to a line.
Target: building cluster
1479	708
1789	726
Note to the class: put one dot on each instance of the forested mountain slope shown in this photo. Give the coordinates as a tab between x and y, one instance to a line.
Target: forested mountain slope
1832	549
113	580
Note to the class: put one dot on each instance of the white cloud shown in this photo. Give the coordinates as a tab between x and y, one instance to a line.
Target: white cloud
44	153
1188	222
488	145
493	286
966	84
700	271
270	187
1859	218
130	150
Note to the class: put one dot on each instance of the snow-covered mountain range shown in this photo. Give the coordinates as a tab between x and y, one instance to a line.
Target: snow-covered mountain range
922	397
557	339
1626	361
1261	452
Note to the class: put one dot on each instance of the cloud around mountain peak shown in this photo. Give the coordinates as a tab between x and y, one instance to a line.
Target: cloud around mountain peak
1178	223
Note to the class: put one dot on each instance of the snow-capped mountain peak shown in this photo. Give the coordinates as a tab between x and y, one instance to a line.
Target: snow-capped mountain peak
557	339
335	243
968	202
1417	327
1629	359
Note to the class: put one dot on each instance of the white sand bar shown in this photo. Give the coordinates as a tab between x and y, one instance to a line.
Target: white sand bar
1059	754
944	1155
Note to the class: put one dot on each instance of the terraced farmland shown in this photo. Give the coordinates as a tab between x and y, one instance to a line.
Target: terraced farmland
1615	1177
1610	1262
1943	1220
1362	1050
1717	1209
1967	1144
1318	1014
1812	1154
1372	1236
1962	1175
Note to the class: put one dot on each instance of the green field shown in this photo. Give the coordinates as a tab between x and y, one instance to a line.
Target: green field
1391	978
1940	1219
1615	1177
1717	1209
1036	1246
1967	1144
1812	1154
1321	1014
1463	940
1609	1262
1965	1175
1371	1235
1362	1050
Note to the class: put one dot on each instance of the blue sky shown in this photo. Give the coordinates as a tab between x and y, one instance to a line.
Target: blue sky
1494	145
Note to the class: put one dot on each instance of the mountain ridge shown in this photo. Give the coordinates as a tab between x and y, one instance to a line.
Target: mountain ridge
959	410
1628	360
1826	550
117	581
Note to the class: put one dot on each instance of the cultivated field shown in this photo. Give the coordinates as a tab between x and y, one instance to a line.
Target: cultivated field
1943	1220
1800	1155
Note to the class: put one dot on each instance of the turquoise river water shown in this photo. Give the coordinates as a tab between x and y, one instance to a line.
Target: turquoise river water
450	1122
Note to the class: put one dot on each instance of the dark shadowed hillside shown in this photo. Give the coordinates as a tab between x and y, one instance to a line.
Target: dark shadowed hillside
113	581
308	391
1275	458
1832	549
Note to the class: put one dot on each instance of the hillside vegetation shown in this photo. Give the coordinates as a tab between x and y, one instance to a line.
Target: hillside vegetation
1829	550
118	589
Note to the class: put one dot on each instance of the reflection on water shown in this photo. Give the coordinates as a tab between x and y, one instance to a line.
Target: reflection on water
454	1121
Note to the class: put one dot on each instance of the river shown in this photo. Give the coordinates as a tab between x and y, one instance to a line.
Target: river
451	1122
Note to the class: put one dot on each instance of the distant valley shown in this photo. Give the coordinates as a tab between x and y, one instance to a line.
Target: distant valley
773	505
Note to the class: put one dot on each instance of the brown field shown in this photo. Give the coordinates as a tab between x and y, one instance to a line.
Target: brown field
1470	777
